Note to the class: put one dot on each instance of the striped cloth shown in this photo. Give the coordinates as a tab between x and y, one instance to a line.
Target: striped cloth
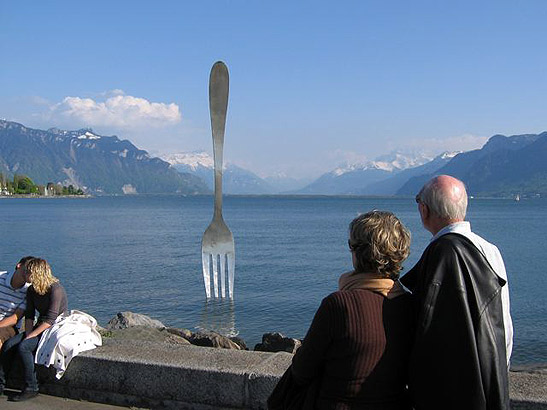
11	299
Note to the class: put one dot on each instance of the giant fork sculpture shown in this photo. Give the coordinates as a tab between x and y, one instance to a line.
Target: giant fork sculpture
217	245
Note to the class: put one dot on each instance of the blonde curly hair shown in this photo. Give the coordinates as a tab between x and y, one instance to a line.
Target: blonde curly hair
40	277
380	243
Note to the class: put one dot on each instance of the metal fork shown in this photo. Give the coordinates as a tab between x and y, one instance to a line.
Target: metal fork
217	244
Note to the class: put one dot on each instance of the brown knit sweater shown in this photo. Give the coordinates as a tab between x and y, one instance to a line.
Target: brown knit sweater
358	345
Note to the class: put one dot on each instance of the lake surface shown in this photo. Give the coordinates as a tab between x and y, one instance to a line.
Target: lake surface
143	254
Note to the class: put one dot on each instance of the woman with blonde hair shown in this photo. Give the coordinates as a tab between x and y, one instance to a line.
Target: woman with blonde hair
48	297
355	353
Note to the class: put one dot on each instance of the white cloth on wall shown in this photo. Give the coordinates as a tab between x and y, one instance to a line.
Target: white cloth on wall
70	335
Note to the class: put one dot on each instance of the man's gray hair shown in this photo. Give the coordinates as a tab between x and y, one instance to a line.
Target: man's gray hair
441	204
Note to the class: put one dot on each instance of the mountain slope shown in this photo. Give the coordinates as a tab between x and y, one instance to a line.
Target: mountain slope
98	164
352	182
504	166
283	183
508	172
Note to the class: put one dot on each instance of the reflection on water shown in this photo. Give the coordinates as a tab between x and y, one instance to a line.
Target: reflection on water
218	315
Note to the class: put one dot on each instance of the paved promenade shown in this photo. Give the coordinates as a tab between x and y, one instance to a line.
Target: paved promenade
44	402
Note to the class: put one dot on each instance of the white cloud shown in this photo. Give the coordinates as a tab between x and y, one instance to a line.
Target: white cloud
117	110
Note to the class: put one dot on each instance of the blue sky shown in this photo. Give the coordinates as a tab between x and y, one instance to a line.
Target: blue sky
312	84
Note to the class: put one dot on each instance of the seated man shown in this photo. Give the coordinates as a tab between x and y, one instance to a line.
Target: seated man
13	291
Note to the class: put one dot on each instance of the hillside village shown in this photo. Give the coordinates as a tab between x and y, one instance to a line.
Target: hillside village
23	185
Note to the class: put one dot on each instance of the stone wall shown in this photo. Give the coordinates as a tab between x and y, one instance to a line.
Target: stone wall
161	375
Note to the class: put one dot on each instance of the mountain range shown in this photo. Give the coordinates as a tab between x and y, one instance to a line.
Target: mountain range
235	180
98	164
352	179
355	179
504	166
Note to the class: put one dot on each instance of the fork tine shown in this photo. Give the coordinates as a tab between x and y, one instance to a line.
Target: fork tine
223	275
215	274
205	258
231	271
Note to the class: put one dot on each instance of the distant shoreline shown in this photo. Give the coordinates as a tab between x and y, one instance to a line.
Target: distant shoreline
19	196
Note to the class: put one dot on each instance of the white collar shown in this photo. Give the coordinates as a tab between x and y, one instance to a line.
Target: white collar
462	228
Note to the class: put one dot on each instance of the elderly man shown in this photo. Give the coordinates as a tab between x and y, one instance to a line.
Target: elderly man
13	290
464	332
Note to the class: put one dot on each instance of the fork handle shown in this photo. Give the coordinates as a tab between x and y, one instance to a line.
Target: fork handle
218	105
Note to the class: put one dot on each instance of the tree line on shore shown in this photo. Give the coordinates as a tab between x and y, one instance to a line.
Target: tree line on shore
23	185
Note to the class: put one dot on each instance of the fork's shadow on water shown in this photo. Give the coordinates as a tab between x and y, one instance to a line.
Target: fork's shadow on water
218	315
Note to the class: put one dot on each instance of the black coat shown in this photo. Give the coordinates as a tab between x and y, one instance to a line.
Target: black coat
459	355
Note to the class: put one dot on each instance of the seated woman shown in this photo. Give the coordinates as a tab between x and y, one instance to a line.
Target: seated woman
355	353
48	297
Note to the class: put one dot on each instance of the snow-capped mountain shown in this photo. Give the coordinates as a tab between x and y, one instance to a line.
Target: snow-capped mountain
192	160
353	179
235	180
393	162
399	160
392	184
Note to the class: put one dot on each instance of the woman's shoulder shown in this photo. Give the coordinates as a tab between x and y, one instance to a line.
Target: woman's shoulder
333	299
56	287
337	295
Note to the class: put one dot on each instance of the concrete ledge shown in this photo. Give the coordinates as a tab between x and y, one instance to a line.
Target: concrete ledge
157	375
160	375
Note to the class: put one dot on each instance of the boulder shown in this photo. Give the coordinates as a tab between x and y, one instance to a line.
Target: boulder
145	333
179	332
212	339
240	342
123	320
276	342
134	326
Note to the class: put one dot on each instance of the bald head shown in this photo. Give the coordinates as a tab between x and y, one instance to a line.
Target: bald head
445	197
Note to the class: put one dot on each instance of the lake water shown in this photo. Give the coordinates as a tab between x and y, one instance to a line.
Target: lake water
143	254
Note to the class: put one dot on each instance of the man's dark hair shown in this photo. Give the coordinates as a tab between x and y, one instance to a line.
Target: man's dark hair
25	260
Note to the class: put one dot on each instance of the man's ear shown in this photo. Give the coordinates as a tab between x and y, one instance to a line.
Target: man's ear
424	209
